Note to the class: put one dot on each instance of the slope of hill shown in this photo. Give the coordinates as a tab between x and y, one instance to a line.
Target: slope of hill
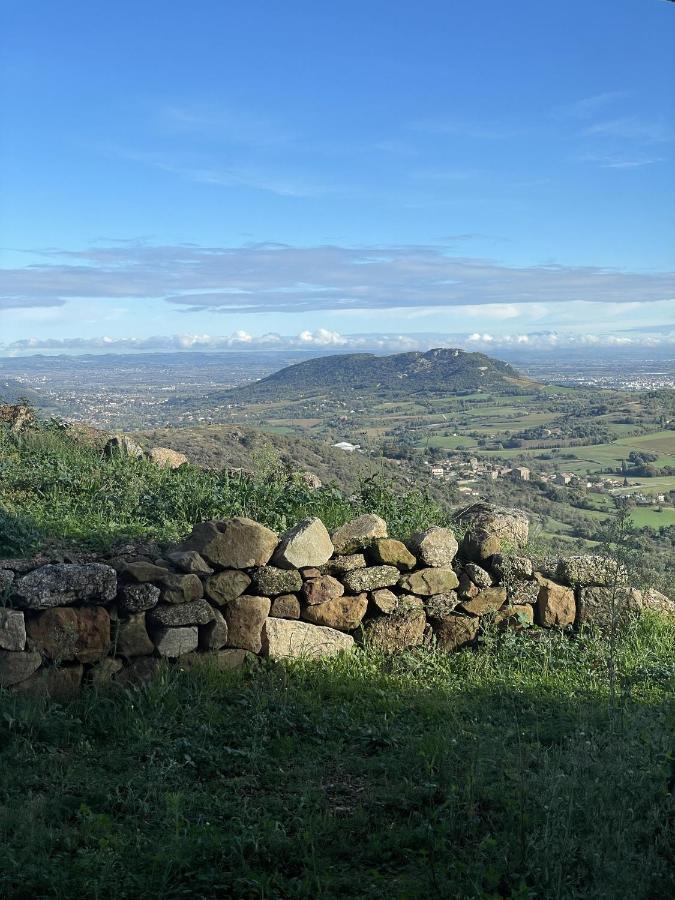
437	371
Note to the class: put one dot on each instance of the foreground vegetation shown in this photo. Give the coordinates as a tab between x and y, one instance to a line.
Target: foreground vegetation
508	772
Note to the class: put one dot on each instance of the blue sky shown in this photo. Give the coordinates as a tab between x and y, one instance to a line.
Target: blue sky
309	174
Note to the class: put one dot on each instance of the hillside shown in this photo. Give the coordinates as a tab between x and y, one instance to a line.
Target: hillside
443	371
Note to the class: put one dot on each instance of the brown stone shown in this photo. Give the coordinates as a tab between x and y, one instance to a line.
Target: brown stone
342	613
436	547
467	589
388	552
133	638
12	629
489	600
66	633
17	666
384	600
358	534
556	605
213	635
59	682
166	458
245	617
226	586
454	631
338	565
322	589
515	616
287	606
238	543
402	629
181	588
105	670
282	639
426	582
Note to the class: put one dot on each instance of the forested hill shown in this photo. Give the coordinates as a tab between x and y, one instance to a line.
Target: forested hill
437	371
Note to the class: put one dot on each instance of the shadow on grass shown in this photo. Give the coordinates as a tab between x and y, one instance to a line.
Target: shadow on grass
421	777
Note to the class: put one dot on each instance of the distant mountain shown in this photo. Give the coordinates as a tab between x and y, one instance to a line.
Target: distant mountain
12	391
435	372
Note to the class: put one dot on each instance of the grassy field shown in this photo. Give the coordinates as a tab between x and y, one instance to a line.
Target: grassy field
654	518
508	772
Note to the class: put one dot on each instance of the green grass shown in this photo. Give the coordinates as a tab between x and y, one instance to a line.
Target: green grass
502	773
642	516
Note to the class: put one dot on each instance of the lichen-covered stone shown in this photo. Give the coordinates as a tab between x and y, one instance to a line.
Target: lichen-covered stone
6	579
283	639
15	667
454	631
66	633
591	570
238	543
489	600
358	534
388	552
427	582
61	584
556	605
402	629
343	613
435	547
286	606
189	562
174	642
306	544
12	629
522	591
440	605
512	568
492	529
657	602
322	589
370	578
181	588
338	565
384	600
177	615
135	598
133	638
213	635
226	586
607	607
272	581
478	575
245	617
166	458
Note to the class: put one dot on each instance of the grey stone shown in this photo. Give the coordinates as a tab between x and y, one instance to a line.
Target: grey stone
492	529
15	667
436	547
427	582
133	638
105	670
6	579
134	598
122	445
591	570
478	575
174	642
177	615
283	639
371	578
440	605
272	581
226	586
62	584
137	671
338	565
213	635
181	588
189	562
306	544
12	629
359	533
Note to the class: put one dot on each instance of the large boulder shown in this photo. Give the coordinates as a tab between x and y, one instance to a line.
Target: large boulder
656	601
306	544
238	543
434	547
402	629
122	445
61	584
343	613
607	607
166	458
133	638
272	581
591	570
388	552
245	617
426	582
66	633
283	639
453	631
16	667
491	530
556	604
359	533
371	578
226	586
12	629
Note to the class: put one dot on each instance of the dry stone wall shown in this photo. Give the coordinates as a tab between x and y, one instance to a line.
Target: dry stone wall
236	590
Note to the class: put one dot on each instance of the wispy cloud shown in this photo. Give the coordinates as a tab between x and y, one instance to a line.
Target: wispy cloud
633	129
476	130
587	107
277	278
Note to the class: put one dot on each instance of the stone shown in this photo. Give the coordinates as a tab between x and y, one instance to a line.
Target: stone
122	445
370	578
61	584
181	588
226	586
213	635
312	481
338	565
358	534
12	629
512	568
454	631
489	600
238	543
322	589
478	575
311	572
245	617
384	600
427	582
166	458
388	552
177	615
590	570
491	530
515	616
556	605
17	666
522	592
105	670
435	547
654	600
174	642
135	598
283	639
59	682
144	572
133	638
137	671
233	659
438	606
6	579
343	613
271	581
306	544
467	589
286	606
189	562
67	633
399	631
605	607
